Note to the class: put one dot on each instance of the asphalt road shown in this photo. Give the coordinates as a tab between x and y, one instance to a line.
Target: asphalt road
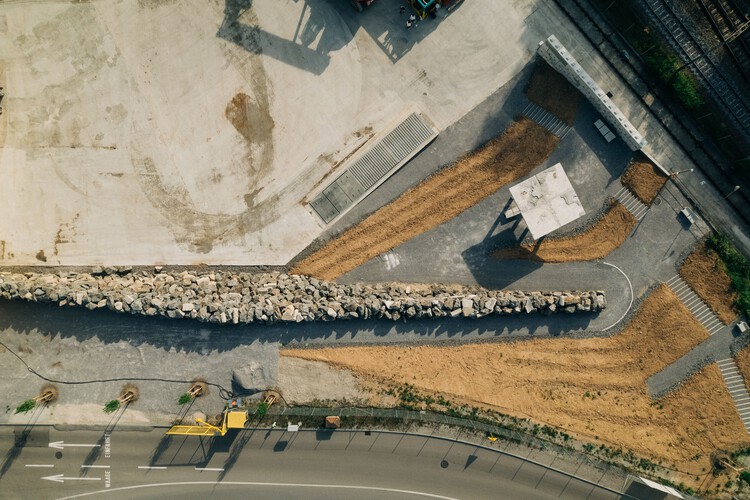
273	463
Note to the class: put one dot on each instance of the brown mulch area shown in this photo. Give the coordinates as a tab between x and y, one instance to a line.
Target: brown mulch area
438	199
742	359
550	90
596	242
705	274
644	180
594	388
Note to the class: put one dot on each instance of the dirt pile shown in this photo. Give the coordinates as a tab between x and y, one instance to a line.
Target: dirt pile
550	90
438	199
593	388
705	274
596	242
644	180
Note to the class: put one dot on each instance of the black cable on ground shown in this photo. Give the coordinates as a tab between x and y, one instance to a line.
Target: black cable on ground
224	393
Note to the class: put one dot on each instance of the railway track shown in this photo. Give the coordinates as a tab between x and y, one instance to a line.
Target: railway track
733	104
727	20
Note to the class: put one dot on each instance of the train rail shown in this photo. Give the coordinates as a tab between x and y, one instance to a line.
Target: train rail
717	85
728	22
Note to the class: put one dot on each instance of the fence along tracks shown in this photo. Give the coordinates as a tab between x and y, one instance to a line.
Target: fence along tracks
716	84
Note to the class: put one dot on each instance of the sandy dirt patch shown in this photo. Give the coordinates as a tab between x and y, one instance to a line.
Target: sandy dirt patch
596	242
592	388
705	274
438	199
644	180
550	90
312	382
743	364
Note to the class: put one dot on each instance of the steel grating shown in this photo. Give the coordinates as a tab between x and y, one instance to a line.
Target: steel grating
373	167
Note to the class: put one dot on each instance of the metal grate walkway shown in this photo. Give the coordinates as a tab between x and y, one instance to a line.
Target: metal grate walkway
633	204
737	389
372	168
545	119
700	310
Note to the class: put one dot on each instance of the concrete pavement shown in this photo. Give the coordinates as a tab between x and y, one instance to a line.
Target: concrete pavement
340	464
189	133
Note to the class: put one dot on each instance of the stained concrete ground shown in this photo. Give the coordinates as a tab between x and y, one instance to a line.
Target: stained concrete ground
148	132
119	219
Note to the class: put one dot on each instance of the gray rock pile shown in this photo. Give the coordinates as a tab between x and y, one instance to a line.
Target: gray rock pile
227	297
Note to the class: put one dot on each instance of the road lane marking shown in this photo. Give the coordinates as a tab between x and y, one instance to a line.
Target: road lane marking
95	467
107	446
39	465
60	478
60	445
210	469
252	483
151	467
630	285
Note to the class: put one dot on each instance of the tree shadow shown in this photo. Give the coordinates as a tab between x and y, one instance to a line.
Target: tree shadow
21	437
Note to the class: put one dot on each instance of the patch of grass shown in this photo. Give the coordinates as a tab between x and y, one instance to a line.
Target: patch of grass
111	406
26	406
184	399
738	269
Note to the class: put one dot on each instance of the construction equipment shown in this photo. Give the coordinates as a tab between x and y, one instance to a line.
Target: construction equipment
233	418
423	8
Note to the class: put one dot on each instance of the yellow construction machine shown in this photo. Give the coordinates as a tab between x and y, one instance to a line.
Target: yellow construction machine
233	417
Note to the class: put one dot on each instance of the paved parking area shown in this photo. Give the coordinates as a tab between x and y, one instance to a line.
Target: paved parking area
145	132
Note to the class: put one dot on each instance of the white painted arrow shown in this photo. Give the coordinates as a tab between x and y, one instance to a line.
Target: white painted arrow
60	445
59	478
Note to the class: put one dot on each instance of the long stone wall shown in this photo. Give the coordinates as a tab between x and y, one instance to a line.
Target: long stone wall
559	58
227	297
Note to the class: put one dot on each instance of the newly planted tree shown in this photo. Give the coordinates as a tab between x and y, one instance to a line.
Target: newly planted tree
128	394
47	395
111	406
27	405
197	388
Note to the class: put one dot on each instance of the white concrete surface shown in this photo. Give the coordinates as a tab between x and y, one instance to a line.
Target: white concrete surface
547	201
118	142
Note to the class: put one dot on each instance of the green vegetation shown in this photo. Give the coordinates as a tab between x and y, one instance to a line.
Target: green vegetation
184	399
26	406
674	74
111	407
737	267
262	410
745	476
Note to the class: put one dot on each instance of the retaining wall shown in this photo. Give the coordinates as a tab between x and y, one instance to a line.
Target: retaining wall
227	297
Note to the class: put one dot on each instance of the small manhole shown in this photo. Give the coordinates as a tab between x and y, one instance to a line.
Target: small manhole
657	201
58	454
444	464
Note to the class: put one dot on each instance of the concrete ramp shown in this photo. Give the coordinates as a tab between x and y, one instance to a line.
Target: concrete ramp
373	167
